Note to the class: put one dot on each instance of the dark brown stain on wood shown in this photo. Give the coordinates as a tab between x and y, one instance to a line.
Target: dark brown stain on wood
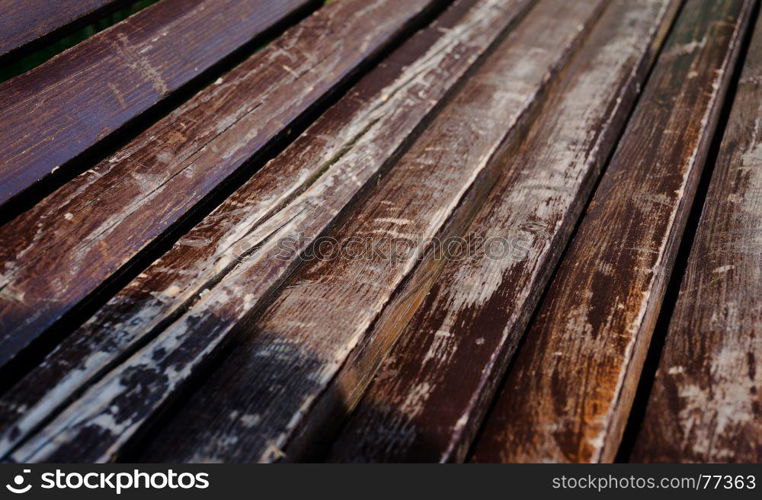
264	392
494	120
297	195
570	390
706	404
60	109
429	398
61	250
22	23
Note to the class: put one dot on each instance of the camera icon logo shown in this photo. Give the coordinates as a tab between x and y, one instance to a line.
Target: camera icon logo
18	486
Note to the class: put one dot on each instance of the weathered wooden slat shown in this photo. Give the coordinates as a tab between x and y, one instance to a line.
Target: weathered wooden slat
428	400
22	23
330	163
706	403
568	395
57	253
63	107
264	392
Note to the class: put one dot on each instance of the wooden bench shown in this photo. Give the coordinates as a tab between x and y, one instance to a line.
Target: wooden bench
389	230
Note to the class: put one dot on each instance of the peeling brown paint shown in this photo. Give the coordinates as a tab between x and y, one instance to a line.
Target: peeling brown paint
289	357
705	404
484	302
133	197
298	193
601	322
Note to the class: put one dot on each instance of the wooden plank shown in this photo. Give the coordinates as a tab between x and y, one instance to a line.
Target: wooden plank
326	168
287	359
60	251
60	109
569	392
22	23
427	401
705	404
363	124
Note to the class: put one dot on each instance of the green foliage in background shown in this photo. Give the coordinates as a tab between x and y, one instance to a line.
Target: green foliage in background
57	46
38	57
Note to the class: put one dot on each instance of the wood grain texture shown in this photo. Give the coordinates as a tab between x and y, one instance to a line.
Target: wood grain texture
569	392
264	392
61	250
705	404
236	248
58	110
427	401
22	23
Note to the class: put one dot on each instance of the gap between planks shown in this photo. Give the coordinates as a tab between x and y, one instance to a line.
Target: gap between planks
286	359
64	107
428	400
65	247
571	387
26	25
705	401
345	149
